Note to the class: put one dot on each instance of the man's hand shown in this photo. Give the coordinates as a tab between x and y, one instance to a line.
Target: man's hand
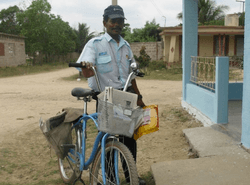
140	103
87	69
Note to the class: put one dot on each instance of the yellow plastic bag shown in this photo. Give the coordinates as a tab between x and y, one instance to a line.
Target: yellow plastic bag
150	121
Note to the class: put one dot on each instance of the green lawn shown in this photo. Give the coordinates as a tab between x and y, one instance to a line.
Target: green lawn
27	69
161	74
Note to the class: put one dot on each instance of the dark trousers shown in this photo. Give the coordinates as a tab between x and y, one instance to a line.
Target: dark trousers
129	142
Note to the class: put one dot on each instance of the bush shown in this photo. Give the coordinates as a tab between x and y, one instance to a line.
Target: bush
144	58
157	65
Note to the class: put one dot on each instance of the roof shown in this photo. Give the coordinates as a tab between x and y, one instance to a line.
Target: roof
11	35
206	30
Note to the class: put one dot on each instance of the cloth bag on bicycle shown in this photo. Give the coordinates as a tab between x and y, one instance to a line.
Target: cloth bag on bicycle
57	129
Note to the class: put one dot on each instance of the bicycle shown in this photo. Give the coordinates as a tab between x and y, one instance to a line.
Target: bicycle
112	162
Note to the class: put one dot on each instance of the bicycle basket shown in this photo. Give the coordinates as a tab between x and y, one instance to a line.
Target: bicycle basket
116	119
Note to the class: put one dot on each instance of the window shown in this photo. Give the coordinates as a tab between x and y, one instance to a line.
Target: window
11	49
239	45
1	49
221	43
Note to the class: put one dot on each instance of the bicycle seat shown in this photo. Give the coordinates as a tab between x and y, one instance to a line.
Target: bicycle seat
80	92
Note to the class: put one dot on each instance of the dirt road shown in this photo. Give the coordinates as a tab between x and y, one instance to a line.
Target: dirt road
25	99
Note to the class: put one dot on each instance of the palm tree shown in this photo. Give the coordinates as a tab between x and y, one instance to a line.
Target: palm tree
83	36
208	11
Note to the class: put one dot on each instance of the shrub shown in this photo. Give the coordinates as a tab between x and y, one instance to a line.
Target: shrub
156	65
143	59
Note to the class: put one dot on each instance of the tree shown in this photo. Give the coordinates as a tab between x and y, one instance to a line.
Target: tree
83	36
34	23
60	38
45	33
208	12
126	30
241	18
149	33
8	22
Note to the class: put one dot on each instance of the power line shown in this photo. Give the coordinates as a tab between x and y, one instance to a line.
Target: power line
159	11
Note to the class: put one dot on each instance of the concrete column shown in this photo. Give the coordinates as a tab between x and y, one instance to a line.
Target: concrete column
221	90
245	137
172	49
190	39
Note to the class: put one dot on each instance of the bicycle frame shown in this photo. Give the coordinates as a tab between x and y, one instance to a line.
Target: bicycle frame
81	156
100	138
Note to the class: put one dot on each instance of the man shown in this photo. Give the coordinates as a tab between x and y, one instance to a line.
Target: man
111	55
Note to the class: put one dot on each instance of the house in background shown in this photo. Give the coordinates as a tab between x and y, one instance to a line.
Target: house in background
225	40
12	50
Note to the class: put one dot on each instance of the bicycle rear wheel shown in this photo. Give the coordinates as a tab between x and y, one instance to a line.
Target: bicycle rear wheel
69	166
124	172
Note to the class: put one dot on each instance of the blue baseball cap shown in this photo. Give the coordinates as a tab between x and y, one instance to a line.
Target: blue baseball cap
113	12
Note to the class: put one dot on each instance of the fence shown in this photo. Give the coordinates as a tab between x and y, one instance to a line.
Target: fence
203	71
236	68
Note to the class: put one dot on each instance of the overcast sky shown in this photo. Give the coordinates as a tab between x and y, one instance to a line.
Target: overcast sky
137	12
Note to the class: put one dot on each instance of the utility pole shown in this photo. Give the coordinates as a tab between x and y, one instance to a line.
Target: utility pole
242	1
114	2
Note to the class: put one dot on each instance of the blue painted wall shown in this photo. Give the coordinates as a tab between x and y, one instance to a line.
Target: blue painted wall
190	39
235	91
221	89
202	99
245	138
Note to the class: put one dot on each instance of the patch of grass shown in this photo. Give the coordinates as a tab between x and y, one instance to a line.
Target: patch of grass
48	173
48	182
148	177
164	74
52	162
5	152
91	127
155	71
74	77
5	183
181	114
26	69
7	166
161	74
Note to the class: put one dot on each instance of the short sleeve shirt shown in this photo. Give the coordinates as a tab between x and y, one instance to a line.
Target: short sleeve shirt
112	61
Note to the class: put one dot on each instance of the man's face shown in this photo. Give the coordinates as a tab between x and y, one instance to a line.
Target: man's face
114	26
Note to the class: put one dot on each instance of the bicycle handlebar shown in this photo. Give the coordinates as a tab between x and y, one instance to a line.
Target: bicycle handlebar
134	67
140	74
76	65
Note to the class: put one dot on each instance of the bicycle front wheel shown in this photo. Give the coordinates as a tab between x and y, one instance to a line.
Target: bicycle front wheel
69	166
120	167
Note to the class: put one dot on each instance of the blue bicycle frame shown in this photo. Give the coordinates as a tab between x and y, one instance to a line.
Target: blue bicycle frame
101	137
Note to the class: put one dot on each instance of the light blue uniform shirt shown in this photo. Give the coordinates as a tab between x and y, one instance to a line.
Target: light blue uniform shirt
111	61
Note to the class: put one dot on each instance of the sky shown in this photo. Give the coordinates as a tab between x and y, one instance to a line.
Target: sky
137	12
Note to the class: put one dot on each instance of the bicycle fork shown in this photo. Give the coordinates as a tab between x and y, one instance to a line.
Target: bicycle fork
105	137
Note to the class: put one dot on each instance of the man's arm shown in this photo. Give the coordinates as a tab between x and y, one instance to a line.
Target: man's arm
139	101
87	58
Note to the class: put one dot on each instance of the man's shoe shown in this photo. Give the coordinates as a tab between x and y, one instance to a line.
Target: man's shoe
141	181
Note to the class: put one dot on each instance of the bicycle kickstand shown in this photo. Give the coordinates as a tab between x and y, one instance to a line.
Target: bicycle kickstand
79	179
